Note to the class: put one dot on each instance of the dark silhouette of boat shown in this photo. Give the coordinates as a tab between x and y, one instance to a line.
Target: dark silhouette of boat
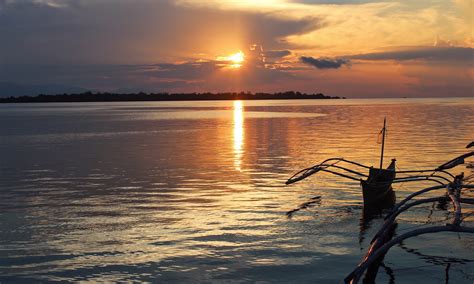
377	190
376	185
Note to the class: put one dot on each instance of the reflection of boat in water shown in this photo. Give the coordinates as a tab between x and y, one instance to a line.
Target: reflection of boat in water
376	185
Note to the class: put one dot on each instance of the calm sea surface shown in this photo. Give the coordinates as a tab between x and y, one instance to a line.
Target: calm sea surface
194	191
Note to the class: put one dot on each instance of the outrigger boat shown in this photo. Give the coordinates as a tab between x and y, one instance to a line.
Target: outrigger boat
378	194
376	185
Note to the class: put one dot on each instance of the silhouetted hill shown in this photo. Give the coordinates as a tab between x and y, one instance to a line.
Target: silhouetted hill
8	89
110	97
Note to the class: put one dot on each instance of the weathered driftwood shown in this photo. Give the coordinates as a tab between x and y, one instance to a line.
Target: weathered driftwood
382	243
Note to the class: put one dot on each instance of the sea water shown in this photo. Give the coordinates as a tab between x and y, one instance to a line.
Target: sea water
194	191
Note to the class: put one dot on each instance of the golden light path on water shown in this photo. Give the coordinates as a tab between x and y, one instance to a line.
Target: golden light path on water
238	134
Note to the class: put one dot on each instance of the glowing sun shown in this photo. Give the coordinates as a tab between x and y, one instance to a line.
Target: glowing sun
236	59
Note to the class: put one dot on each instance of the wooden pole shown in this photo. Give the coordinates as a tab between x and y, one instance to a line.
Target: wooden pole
383	141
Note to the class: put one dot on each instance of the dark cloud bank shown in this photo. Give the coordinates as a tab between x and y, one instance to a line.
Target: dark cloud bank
324	62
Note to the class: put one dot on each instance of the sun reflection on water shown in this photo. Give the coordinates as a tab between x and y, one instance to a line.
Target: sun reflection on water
238	134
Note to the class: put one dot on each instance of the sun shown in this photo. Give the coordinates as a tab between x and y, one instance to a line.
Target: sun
236	59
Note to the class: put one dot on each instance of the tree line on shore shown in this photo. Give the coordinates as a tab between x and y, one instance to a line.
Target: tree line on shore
113	97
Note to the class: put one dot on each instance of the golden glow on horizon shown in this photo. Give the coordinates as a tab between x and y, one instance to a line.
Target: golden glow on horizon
238	134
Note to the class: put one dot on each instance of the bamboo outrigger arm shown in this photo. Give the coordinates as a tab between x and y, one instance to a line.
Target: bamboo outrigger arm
391	218
435	178
427	171
355	276
455	162
381	243
440	176
304	173
436	174
400	207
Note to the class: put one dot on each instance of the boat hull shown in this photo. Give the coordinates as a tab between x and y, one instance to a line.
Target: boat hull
377	189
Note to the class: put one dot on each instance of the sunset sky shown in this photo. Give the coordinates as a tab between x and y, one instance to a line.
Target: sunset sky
352	48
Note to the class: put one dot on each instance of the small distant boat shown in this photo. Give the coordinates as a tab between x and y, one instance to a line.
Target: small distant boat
376	186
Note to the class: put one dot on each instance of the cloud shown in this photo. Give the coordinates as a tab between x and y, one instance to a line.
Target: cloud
173	44
276	53
48	3
443	53
213	75
325	62
338	2
11	89
133	32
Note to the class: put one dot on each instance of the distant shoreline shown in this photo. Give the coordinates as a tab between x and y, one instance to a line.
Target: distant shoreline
153	97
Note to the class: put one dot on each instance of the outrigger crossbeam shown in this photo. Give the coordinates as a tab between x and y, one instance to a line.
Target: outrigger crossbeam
325	165
332	166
